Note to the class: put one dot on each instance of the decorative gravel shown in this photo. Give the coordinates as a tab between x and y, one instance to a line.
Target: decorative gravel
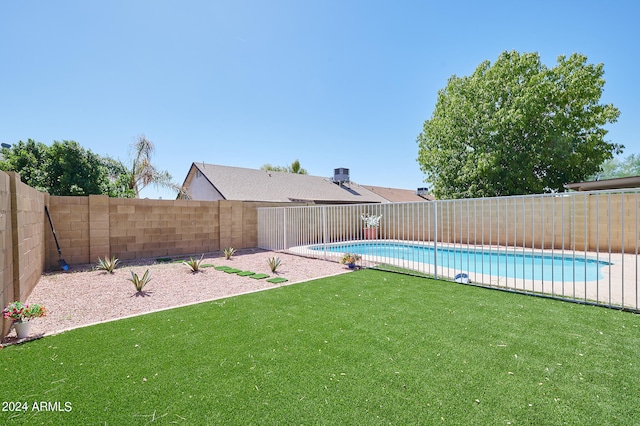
85	296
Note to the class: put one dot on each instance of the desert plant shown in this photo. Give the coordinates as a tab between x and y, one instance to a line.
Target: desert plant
140	282
108	265
274	262
228	252
194	264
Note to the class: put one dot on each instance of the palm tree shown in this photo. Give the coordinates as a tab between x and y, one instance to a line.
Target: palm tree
143	173
293	168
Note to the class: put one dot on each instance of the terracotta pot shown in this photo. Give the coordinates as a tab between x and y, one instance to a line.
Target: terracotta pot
370	233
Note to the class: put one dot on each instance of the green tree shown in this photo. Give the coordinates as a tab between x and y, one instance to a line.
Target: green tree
517	127
72	170
143	173
619	167
65	168
28	159
293	168
119	178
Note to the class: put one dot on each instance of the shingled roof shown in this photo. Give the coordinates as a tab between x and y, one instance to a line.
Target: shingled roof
237	183
605	184
396	195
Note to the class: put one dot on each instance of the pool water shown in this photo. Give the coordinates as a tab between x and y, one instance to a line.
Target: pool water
495	263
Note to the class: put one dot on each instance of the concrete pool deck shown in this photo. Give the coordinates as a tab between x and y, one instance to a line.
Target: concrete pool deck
618	287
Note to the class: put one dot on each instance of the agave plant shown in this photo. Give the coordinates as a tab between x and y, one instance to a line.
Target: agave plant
228	252
108	265
274	262
140	282
194	264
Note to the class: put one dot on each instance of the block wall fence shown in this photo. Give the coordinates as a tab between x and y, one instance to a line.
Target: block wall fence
99	226
22	239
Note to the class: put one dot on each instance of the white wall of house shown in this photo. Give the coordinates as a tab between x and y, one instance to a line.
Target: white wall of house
202	190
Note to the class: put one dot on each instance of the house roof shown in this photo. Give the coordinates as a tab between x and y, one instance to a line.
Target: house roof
396	195
237	183
598	185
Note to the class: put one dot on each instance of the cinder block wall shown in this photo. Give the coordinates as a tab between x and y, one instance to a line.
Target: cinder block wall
591	222
6	248
22	254
616	225
98	226
157	228
28	236
70	219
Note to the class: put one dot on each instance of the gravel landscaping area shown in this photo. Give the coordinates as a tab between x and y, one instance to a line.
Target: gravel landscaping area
84	296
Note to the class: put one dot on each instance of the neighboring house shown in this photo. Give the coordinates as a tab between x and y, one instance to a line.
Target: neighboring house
395	195
211	182
599	185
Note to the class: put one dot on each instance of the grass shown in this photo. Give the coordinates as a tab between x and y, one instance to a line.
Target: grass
401	270
367	347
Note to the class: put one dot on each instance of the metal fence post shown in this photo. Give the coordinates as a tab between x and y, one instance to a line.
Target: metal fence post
435	239
324	230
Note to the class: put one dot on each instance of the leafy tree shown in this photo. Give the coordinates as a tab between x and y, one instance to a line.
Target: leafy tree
119	179
65	168
28	159
617	168
517	127
142	173
293	168
72	170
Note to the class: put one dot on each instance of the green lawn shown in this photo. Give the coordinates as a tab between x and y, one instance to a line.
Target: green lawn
368	347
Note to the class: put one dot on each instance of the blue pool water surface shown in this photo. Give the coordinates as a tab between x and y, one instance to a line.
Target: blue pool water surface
496	263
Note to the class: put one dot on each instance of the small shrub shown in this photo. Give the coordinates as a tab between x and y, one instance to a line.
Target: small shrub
194	264
108	265
228	252
140	282
274	262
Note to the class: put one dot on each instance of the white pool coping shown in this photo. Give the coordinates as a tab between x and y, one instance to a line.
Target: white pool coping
618	287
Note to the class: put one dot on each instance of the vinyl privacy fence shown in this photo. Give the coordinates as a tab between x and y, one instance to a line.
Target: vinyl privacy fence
577	246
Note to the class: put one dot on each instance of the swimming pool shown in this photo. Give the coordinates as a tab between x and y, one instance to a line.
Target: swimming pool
508	264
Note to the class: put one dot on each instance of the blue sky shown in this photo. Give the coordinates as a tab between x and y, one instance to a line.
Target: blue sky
243	83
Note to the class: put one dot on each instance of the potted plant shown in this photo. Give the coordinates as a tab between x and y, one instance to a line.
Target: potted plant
21	313
350	259
371	224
